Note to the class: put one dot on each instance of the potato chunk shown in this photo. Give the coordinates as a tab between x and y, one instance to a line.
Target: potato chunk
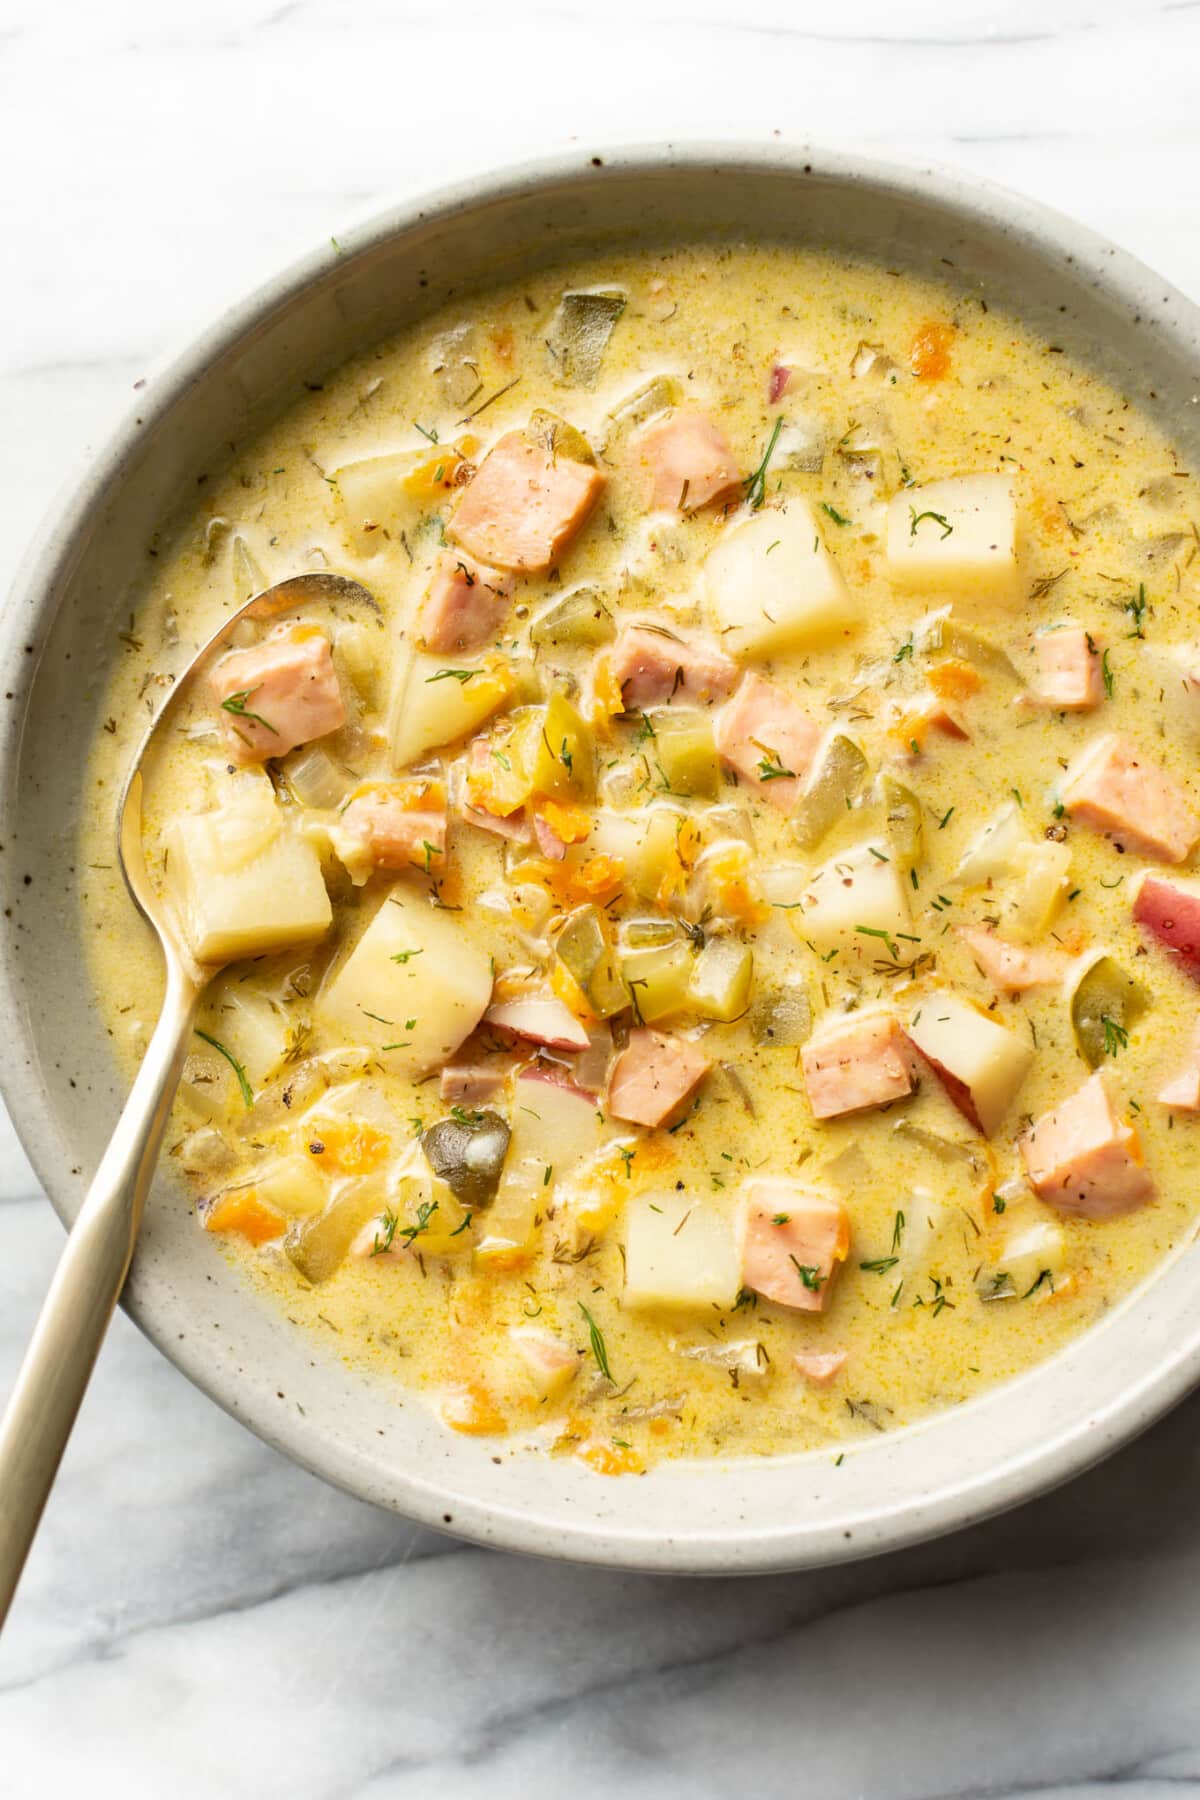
980	1063
679	1252
958	534
242	882
772	585
438	700
857	903
413	987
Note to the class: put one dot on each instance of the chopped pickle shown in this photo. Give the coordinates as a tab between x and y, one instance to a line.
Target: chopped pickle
947	637
554	748
646	403
586	953
836	779
904	826
783	1016
557	438
946	1149
577	619
658	979
721	980
248	577
1104	1006
686	751
648	933
467	1153
319	1245
801	445
579	333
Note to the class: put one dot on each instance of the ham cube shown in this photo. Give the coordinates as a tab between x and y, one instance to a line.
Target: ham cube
685	462
523	506
766	737
393	825
277	694
792	1239
820	1368
1084	1160
1170	912
1114	787
651	666
654	1077
858	1061
474	1083
1013	967
1070	677
464	605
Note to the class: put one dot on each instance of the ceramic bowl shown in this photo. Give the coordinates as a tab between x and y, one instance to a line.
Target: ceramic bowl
56	641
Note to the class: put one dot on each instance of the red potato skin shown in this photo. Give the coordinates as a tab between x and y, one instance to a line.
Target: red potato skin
1171	915
956	1090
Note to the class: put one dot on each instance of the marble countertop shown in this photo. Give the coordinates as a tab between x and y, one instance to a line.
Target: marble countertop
201	1618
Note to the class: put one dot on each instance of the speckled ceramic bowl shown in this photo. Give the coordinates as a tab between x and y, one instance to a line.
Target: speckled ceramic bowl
56	640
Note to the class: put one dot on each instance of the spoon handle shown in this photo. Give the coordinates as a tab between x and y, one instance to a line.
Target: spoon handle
87	1283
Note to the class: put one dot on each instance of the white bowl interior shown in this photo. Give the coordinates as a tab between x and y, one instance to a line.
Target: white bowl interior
57	640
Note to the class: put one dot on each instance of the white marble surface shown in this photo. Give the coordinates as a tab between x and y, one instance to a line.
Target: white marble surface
199	1618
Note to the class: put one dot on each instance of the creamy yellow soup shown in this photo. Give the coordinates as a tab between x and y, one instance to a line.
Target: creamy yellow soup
663	881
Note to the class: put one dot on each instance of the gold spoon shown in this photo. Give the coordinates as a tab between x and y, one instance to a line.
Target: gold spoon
91	1271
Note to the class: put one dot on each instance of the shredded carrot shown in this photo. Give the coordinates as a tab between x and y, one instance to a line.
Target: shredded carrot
955	680
435	474
607	698
244	1213
495	783
911	729
929	355
471	1409
571	994
612	1459
502	343
347	1146
730	873
571	824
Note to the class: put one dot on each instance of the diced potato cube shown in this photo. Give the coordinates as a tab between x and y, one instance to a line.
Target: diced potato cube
555	1125
437	701
414	986
257	1031
384	495
292	1184
721	977
855	903
772	585
981	1063
960	533
1045	870
1032	1255
243	883
997	850
679	1252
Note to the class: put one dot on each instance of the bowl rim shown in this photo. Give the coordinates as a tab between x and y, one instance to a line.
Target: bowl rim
1058	241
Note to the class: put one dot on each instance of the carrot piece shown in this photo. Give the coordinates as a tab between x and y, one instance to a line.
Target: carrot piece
612	1459
347	1145
955	680
471	1410
243	1213
571	824
929	355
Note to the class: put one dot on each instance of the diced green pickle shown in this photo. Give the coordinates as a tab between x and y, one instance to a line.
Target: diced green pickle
902	812
783	1017
579	618
954	639
558	438
319	1245
586	953
556	751
686	752
647	934
248	577
658	979
721	978
645	403
1104	1007
579	333
834	783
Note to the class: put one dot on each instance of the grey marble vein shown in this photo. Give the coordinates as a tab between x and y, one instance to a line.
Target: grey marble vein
199	1617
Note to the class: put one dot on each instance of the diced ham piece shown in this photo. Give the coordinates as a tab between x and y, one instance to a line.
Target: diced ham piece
523	506
473	1084
686	461
540	1019
1014	967
393	825
654	1076
463	607
761	732
1170	912
1182	1092
1070	676
277	694
548	840
1114	787
1084	1160
777	382
859	1061
650	665
516	829
792	1239
820	1368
